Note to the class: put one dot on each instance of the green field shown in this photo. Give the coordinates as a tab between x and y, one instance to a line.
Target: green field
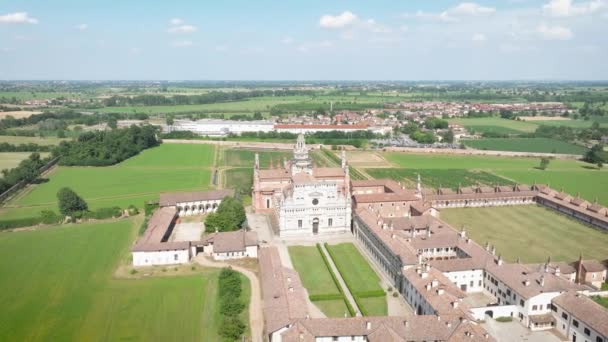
250	105
542	145
495	125
436	178
15	140
246	158
9	160
573	176
65	290
239	178
169	167
530	232
315	276
359	277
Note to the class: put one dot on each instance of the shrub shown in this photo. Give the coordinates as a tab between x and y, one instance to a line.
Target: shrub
133	271
367	294
504	319
49	217
149	207
390	289
395	294
104	213
70	202
132	210
22	222
231	328
326	296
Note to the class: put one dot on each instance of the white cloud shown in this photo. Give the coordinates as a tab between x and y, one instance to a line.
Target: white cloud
17	18
454	14
182	43
479	37
287	40
568	8
82	27
182	29
339	21
554	32
471	8
176	21
375	27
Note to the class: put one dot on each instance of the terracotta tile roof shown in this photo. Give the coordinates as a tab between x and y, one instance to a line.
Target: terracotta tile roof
302	178
284	297
436	289
445	191
386	197
232	241
593	266
274	174
158	224
584	309
171	198
328	127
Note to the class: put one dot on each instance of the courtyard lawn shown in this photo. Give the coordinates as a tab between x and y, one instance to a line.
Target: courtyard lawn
333	308
495	125
356	272
312	270
530	232
239	179
542	145
374	306
9	160
138	179
246	158
65	290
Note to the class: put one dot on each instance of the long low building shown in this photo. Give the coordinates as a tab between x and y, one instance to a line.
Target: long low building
194	202
221	128
305	129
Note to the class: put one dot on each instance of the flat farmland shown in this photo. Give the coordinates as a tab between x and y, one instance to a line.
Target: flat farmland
530	232
15	140
435	178
239	178
138	179
571	175
495	125
542	145
19	114
249	105
65	291
246	158
9	160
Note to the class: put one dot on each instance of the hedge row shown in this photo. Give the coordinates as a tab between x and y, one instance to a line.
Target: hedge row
350	308
325	296
368	294
361	307
50	217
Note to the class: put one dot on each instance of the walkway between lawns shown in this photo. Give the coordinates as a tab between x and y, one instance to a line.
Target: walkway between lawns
256	316
341	282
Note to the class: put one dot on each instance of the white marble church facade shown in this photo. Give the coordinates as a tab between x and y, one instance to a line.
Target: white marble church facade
304	199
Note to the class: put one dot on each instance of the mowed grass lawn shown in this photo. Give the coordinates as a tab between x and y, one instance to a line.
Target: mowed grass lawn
530	232
57	286
542	145
169	167
571	175
312	270
9	160
359	277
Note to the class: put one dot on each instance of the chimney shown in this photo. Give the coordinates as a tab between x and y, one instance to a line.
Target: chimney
499	261
368	325
438	318
435	283
448	324
428	232
493	250
542	280
428	286
557	271
406	324
419	258
526	282
454	304
439	292
463	233
393	236
487	246
546	267
290	289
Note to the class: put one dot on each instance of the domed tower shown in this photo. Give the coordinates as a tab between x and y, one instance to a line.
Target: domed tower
301	160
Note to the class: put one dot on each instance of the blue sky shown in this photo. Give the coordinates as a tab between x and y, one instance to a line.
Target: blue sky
304	40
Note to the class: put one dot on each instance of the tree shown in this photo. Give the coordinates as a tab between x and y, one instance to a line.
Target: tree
595	155
448	136
544	163
257	116
600	165
70	202
169	120
112	123
230	216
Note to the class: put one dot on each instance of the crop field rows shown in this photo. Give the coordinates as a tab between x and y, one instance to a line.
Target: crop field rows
541	145
446	178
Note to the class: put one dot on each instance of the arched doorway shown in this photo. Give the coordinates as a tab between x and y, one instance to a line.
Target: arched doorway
490	313
419	310
315	225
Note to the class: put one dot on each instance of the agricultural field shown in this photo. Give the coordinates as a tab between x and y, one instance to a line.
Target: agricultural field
34	95
530	232
361	279
71	294
246	158
9	160
19	114
436	178
169	167
541	145
495	125
573	176
317	279
239	179
16	140
249	105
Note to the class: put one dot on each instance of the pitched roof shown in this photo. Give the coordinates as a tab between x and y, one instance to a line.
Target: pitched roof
274	174
158	224
585	309
232	241
333	172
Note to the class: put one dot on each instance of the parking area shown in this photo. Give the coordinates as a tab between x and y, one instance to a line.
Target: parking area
187	231
514	331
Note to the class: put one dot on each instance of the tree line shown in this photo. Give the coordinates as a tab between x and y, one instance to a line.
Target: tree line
27	170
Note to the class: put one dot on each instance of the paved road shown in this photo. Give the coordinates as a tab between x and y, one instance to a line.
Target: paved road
342	284
256	316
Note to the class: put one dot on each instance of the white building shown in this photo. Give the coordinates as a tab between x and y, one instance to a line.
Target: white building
579	318
221	128
194	202
231	245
